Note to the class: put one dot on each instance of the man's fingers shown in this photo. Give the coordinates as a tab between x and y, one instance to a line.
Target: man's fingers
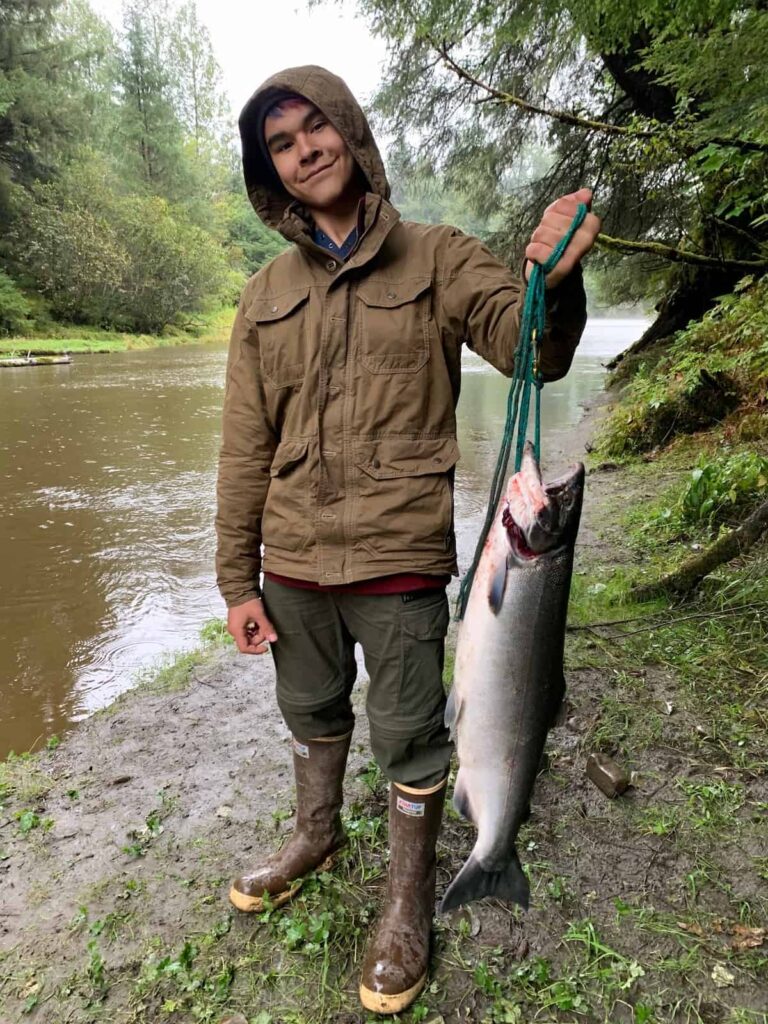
572	200
544	240
562	221
250	642
547	235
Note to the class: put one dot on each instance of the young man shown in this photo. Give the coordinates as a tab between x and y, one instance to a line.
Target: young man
338	454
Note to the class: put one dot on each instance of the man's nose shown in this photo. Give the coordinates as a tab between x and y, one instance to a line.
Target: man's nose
308	149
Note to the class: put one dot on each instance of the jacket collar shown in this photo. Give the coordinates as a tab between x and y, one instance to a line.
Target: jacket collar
378	217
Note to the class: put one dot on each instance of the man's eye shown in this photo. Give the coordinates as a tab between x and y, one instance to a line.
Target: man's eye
318	125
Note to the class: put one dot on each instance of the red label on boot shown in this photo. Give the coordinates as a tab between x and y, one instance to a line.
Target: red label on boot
409	807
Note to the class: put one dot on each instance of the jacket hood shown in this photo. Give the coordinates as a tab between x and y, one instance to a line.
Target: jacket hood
331	95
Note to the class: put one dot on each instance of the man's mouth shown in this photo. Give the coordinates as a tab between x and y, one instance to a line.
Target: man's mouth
316	172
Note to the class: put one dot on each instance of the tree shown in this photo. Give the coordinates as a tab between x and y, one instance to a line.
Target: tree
637	100
196	82
36	111
151	130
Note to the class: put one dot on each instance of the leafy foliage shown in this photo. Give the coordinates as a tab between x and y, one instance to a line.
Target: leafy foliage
100	257
718	491
521	102
714	366
14	307
119	198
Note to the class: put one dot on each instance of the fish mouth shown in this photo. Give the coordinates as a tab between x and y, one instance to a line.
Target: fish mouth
539	517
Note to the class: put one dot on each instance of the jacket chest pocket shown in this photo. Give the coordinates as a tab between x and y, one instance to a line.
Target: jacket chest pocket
394	331
283	326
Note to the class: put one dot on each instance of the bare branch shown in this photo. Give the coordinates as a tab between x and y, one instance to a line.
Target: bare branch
590	124
668	252
533	108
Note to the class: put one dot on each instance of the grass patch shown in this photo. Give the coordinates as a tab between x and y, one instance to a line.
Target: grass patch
173	673
22	778
210	327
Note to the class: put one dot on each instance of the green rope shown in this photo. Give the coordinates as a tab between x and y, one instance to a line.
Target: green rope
525	376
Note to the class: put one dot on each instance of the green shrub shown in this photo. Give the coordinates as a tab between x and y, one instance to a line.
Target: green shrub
129	262
15	309
717	489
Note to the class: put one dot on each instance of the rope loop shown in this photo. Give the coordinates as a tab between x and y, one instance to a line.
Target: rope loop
526	375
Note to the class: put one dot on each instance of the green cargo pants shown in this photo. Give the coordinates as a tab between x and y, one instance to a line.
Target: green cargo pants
402	637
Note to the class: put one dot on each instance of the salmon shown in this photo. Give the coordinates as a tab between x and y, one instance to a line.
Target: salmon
508	682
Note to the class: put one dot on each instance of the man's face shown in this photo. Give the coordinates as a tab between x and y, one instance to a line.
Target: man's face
311	158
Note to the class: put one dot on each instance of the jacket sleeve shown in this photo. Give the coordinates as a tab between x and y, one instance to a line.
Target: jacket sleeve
247	447
483	303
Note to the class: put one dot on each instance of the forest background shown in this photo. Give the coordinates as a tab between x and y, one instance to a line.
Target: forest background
121	198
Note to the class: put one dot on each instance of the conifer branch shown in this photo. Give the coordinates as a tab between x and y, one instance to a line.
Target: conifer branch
669	252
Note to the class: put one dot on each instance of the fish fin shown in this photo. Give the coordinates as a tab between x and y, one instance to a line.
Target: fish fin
473	883
461	799
450	711
453	709
560	716
498	586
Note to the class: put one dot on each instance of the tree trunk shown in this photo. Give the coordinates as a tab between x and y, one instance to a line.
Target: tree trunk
692	292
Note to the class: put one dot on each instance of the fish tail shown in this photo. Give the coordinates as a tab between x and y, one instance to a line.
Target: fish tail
473	882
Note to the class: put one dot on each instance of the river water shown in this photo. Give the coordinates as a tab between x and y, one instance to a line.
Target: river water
107	470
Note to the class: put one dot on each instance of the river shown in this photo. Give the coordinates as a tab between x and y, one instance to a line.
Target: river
106	534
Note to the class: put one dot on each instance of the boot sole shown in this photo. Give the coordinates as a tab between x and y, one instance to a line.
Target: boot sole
380	1002
255	904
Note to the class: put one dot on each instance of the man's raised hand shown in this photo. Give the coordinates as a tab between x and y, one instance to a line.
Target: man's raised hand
554	226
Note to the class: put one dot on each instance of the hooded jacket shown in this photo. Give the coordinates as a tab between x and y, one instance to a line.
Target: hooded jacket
339	426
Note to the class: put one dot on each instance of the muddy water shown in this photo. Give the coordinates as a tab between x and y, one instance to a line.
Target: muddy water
107	471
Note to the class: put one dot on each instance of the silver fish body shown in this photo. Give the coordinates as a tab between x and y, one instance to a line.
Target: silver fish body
508	680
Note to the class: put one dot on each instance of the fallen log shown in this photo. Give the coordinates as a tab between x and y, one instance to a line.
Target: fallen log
694	569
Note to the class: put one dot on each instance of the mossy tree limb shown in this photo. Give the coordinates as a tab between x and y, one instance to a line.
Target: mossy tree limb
694	569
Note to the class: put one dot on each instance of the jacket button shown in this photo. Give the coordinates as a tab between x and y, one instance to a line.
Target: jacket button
385	216
391	295
437	460
375	463
331	264
274	309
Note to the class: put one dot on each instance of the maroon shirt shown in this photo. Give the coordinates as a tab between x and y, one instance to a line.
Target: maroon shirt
398	583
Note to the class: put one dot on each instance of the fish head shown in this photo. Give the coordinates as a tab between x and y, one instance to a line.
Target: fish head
541	518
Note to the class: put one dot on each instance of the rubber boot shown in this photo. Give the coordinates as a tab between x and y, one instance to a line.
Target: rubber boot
319	769
395	967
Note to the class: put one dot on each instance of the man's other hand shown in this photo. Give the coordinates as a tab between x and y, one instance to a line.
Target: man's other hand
554	226
250	627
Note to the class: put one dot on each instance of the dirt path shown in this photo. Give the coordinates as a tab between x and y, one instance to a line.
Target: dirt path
116	850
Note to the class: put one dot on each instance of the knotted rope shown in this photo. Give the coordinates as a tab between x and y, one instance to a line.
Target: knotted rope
525	377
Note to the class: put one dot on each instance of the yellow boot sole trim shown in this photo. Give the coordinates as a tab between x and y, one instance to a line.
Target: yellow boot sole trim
255	904
379	1002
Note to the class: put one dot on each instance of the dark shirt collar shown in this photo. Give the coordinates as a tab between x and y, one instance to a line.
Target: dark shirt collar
341	251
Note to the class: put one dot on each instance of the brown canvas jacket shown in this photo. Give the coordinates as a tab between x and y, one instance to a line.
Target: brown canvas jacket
339	428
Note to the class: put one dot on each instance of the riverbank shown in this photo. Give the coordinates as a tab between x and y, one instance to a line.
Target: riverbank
117	846
210	327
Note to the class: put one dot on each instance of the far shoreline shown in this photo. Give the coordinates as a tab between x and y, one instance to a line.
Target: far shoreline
211	328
